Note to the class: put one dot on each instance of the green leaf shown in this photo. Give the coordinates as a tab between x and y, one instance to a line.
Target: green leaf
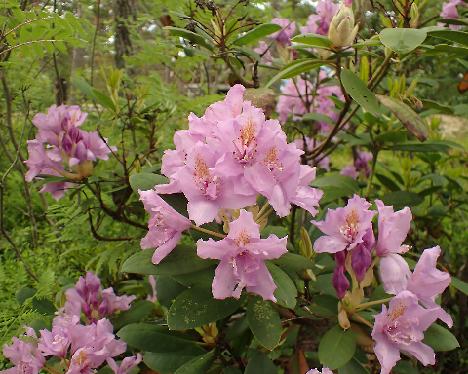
256	34
318	117
335	186
286	291
189	35
433	146
313	40
440	339
93	94
336	347
296	68
146	181
264	321
407	116
294	262
259	363
150	337
197	365
402	40
25	293
197	307
182	260
400	199
460	285
138	312
353	367
459	37
387	182
44	306
358	90
167	290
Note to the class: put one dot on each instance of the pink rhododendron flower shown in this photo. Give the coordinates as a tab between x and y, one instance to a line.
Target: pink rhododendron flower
286	33
127	364
393	229
165	225
449	10
242	254
316	371
57	341
427	282
300	96
319	23
61	148
263	49
232	154
89	298
344	228
24	355
401	329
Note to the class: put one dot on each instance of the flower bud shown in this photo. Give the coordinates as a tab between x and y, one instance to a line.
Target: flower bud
342	29
414	14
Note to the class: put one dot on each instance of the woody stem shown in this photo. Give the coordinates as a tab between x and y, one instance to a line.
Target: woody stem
372	303
209	232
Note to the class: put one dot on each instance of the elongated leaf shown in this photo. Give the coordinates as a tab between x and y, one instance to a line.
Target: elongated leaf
295	69
459	37
317	117
182	260
197	365
400	199
460	285
402	40
197	307
294	262
286	291
358	90
439	338
150	337
421	147
336	347
314	40
256	34
146	181
407	116
264	321
189	35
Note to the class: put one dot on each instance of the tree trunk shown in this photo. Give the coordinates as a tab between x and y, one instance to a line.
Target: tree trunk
124	10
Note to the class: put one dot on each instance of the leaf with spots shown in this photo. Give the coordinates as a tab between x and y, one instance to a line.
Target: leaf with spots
196	307
264	321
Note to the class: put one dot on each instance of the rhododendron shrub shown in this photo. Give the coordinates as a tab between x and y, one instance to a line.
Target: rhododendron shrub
290	210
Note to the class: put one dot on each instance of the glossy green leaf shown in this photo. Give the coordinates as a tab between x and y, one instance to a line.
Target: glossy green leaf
146	181
318	117
407	116
286	291
296	68
358	90
432	146
402	40
167	290
294	262
460	285
197	365
150	337
400	199
139	310
336	347
459	37
264	321
197	307
182	260
440	339
257	33
313	40
189	35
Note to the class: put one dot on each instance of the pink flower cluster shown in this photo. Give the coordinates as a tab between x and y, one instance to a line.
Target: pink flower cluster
349	236
62	149
222	163
299	97
319	23
82	347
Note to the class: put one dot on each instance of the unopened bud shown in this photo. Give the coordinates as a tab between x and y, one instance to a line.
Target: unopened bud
414	14
343	319
342	29
85	169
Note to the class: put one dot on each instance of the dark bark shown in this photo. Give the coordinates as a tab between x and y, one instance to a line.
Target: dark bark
124	12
